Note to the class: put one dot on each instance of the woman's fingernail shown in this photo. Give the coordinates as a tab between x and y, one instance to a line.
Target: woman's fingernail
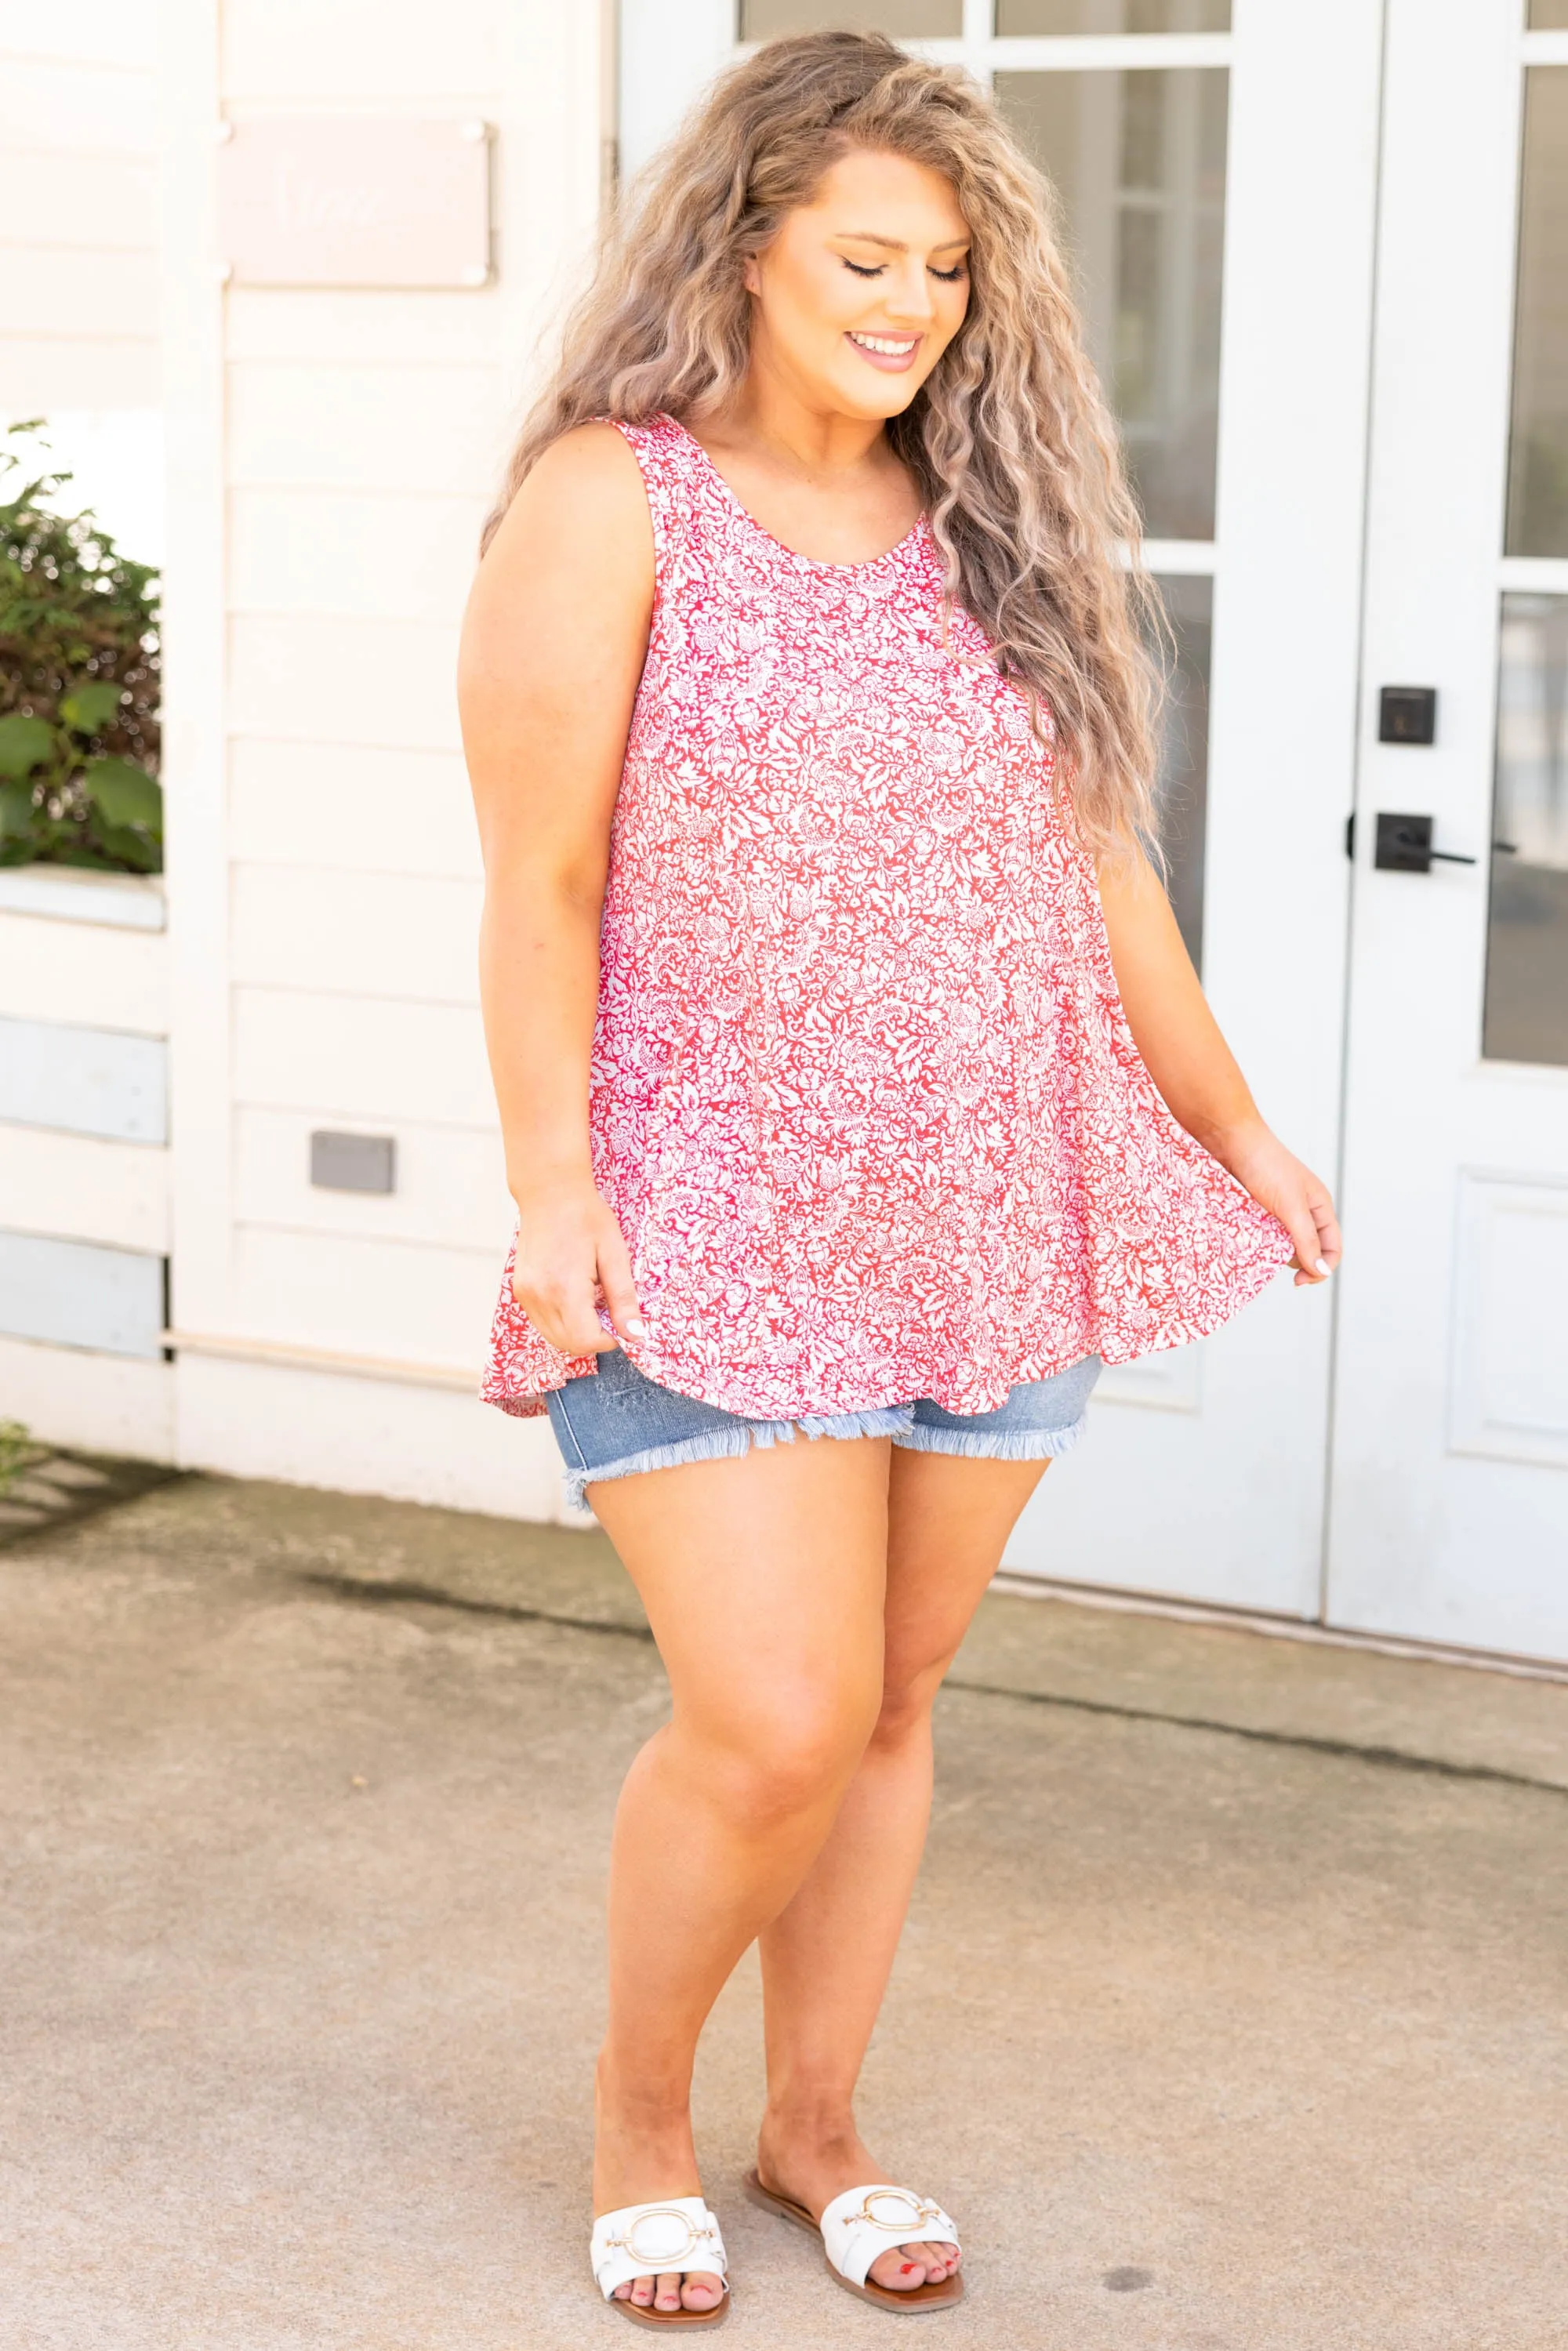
634	1328
1322	1266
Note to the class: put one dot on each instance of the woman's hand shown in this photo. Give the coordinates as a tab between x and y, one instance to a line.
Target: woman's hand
569	1245
1278	1182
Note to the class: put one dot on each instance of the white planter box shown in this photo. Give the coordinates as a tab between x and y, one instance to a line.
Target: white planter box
84	1166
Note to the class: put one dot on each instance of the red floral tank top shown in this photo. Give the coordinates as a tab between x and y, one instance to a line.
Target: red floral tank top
863	1094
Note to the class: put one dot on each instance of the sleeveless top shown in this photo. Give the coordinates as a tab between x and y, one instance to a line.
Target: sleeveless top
863	1094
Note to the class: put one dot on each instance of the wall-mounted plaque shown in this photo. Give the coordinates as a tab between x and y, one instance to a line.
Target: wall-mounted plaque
350	200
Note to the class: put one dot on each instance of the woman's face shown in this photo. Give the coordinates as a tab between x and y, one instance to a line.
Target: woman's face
863	289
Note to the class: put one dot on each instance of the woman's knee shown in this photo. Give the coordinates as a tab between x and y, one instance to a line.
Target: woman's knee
784	1756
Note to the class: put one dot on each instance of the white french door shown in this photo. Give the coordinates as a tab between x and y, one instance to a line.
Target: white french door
1450	1513
1230	318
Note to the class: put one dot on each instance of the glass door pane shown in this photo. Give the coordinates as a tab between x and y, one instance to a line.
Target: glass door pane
1182	791
1538	442
1048	16
901	20
1138	160
1527	932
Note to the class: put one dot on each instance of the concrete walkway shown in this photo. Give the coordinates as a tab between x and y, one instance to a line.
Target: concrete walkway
1230	2016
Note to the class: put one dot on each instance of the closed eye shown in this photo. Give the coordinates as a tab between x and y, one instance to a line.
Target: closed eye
874	269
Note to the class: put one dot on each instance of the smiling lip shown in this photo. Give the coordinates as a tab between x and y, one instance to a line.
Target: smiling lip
903	351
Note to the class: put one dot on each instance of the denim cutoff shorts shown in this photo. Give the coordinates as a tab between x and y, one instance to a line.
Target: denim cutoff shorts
614	1422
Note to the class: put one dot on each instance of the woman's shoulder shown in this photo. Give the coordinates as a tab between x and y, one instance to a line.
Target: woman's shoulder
581	509
619	468
597	461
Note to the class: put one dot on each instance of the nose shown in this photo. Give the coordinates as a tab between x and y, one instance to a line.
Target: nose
909	296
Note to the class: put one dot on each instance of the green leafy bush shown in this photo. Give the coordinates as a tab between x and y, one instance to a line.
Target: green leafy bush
78	682
17	1453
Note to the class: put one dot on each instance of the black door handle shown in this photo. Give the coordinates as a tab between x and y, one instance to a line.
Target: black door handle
1404	846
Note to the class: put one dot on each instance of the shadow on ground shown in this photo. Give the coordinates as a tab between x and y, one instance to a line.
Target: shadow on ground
1229	2017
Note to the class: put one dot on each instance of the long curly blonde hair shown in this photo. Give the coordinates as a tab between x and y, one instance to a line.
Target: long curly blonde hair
1008	439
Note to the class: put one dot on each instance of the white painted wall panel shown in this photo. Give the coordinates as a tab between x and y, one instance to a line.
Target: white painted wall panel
378	428
365	1060
83	972
78	110
359	1296
78	1187
383	811
376	556
77	1294
360	50
89	33
344	681
78	301
71	893
84	1080
100	1403
357	933
73	293
365	1436
102	201
42	375
451	1184
328	835
366	328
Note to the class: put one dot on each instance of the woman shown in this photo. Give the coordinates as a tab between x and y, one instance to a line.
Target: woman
855	1084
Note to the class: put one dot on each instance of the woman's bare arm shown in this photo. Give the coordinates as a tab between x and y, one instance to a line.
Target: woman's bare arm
553	645
1195	1070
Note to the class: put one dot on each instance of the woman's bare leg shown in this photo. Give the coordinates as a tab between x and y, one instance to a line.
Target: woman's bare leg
764	1579
826	1958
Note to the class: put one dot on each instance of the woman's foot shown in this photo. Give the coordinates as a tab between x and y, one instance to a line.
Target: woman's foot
639	2160
813	2167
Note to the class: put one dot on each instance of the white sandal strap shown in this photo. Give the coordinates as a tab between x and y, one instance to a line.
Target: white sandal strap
866	2222
646	2239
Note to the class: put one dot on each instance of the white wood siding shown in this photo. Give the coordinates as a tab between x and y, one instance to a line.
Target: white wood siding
84	1080
78	290
450	1183
376	1062
82	1294
79	1187
351	807
361	51
83	1011
392	936
370	555
367	682
88	972
333	454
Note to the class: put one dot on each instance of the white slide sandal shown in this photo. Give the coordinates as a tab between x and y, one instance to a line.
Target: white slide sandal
644	2241
864	2223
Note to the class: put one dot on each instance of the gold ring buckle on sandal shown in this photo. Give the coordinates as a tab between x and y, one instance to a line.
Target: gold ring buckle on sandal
671	2259
917	2212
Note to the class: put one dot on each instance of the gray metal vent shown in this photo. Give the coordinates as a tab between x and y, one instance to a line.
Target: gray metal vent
353	1163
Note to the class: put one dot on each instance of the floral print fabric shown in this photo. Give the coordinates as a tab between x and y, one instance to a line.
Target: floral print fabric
863	1094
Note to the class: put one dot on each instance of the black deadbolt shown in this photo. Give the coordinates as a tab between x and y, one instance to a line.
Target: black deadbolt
1407	714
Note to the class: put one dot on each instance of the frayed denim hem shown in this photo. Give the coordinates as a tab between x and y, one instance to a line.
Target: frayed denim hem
729	1444
995	1444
